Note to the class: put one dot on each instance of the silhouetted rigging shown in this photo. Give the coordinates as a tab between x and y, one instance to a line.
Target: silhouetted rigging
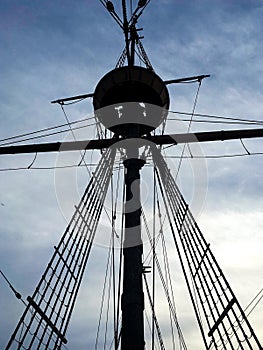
132	101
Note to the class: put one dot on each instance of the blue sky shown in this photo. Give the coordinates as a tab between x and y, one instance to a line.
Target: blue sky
60	48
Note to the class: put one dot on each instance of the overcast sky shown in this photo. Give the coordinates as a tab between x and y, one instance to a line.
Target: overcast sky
52	49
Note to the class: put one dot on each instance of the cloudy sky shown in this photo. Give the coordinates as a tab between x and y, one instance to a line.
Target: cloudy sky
60	48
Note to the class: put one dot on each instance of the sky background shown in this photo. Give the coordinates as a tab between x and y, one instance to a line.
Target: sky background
54	49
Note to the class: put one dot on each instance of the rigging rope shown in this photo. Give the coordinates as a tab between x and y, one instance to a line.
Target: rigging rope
216	121
107	311
164	254
103	297
120	273
48	312
154	252
46	135
218	156
46	129
217	300
252	121
18	295
168	282
170	301
188	129
74	137
110	277
228	120
82	155
42	136
158	330
259	299
113	230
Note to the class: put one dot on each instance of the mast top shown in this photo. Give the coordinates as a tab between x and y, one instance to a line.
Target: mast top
129	96
128	26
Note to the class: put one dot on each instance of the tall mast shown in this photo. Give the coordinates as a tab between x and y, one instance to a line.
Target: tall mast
132	304
130	121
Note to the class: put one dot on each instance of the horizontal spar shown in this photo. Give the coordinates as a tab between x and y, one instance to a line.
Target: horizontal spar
188	79
159	140
167	82
58	146
72	98
206	136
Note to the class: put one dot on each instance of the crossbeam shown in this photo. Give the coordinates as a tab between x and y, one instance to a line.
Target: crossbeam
159	140
221	317
187	79
61	101
47	320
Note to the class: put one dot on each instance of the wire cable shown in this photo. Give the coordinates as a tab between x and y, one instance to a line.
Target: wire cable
214	292
45	129
216	121
217	117
231	120
18	295
255	303
154	252
248	313
108	267
188	129
218	156
245	148
82	158
171	303
112	13
47	135
158	329
108	302
120	272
